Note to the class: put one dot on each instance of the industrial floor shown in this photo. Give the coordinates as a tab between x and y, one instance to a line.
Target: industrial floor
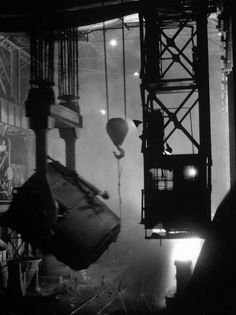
103	289
63	299
129	278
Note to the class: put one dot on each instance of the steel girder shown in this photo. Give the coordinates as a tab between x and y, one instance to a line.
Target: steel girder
175	81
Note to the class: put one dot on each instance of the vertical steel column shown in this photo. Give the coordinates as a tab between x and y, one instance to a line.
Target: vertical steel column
70	135
40	98
232	131
38	110
41	150
231	94
41	95
202	78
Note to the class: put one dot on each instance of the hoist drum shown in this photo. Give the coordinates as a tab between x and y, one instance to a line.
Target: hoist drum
84	227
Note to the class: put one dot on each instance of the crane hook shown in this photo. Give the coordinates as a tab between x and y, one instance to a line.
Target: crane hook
121	155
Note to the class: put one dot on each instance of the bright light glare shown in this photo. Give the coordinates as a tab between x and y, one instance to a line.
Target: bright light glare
167	152
158	229
102	111
113	42
187	249
161	232
190	172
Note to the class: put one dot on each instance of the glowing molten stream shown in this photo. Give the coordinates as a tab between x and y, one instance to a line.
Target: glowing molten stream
187	249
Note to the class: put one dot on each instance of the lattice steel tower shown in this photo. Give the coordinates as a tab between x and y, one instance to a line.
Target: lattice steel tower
176	139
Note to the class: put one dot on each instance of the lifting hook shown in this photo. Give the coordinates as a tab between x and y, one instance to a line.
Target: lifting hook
122	153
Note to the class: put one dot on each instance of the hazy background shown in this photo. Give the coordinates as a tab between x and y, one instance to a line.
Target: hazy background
146	266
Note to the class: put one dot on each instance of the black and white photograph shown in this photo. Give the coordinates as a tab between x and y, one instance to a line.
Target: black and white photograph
117	157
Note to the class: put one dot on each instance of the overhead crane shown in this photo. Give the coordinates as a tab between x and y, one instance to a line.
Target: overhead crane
176	199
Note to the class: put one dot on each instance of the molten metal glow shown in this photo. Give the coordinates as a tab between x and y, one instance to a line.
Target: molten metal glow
187	249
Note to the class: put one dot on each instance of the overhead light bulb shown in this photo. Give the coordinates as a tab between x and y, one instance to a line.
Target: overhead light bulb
113	42
190	172
102	111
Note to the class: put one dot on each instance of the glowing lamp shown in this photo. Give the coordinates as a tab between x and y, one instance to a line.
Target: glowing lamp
113	42
190	172
102	111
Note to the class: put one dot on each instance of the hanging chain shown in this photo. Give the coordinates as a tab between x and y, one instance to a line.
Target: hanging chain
68	67
42	57
124	67
106	71
119	169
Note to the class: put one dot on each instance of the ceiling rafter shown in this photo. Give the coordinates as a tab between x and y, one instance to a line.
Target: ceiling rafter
72	16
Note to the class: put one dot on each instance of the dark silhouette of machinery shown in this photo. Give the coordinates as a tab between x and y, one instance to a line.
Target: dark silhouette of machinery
177	184
176	199
77	230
